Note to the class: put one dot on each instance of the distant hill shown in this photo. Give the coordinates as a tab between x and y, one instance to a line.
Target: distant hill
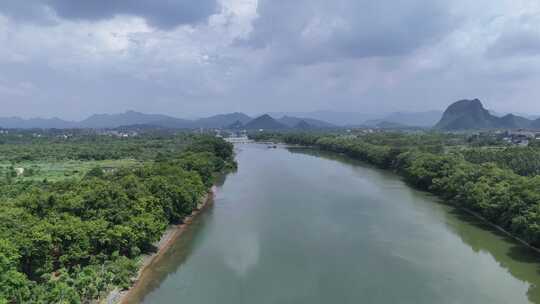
467	114
98	121
292	122
535	124
303	125
222	120
129	118
462	115
471	115
391	125
265	122
421	119
524	115
237	125
332	117
416	119
43	123
511	121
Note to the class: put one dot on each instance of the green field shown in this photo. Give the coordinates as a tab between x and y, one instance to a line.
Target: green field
59	170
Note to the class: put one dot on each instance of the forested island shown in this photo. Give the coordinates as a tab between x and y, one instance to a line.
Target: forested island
79	211
500	184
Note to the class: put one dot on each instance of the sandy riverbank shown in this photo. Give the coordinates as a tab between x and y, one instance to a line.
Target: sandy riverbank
169	237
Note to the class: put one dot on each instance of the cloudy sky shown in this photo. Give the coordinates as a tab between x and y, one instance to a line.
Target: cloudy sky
191	58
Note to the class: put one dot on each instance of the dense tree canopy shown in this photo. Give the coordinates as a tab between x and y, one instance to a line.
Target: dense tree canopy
522	160
73	240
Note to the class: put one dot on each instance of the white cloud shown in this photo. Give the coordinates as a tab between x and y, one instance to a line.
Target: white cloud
258	56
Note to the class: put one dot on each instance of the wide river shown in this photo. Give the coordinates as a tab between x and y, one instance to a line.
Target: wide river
299	226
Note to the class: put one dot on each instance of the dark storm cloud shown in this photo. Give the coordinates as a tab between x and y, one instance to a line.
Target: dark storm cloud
320	30
160	13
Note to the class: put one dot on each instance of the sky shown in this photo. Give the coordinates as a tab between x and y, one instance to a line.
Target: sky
194	58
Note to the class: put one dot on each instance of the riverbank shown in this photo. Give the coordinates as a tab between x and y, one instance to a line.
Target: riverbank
499	228
168	238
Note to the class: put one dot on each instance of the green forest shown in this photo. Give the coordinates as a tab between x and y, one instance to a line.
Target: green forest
501	185
75	237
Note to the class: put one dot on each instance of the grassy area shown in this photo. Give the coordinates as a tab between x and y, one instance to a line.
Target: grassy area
58	170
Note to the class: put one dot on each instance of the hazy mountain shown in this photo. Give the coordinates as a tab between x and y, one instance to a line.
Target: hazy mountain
46	123
417	119
132	118
535	124
174	123
265	122
269	123
524	115
391	125
104	121
303	125
222	120
292	122
471	114
464	114
422	119
216	121
511	121
335	118
237	125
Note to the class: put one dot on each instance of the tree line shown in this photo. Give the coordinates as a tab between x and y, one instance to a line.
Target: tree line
74	240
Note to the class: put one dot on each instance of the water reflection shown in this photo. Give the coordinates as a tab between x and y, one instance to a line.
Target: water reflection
241	252
520	261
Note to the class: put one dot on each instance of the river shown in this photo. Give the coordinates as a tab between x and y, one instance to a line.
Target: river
300	226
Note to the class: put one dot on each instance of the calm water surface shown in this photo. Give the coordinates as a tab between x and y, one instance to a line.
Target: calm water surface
297	226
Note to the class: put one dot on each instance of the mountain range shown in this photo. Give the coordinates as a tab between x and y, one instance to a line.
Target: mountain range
357	119
267	122
413	119
471	115
293	122
461	115
332	117
132	118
